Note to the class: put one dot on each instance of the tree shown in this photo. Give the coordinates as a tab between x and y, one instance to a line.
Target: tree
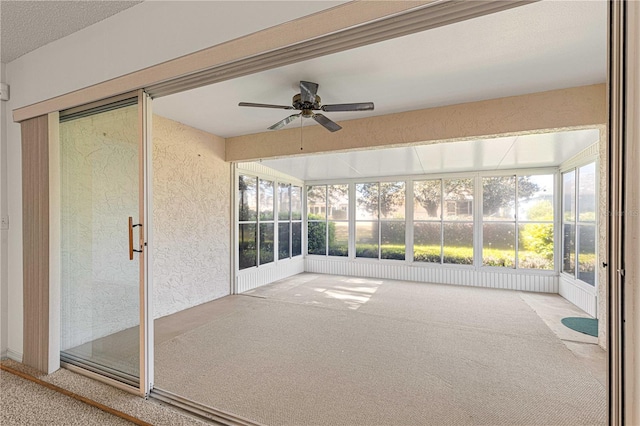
428	193
499	193
247	195
388	197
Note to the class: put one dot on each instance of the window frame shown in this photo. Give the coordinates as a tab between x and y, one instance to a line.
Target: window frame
517	221
592	288
276	221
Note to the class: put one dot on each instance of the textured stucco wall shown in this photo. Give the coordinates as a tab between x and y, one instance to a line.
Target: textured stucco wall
603	241
191	222
191	217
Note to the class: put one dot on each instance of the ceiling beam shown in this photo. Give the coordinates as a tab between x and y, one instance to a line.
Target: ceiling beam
563	109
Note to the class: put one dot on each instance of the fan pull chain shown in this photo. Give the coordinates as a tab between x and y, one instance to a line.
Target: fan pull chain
301	118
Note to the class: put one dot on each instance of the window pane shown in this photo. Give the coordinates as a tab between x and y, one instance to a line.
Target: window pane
367	201
265	201
392	200
316	238
427	242
338	202
568	196
338	238
316	202
266	243
367	239
587	193
392	240
499	244
247	245
498	198
296	239
458	243
569	248
247	198
283	201
283	240
296	202
458	199
535	246
587	254
535	198
427	199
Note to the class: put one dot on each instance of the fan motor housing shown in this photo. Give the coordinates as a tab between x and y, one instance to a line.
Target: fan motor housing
303	106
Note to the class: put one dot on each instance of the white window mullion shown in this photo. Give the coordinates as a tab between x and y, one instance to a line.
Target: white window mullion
477	222
408	221
352	220
442	207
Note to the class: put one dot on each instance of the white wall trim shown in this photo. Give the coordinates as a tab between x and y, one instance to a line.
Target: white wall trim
587	155
11	354
264	171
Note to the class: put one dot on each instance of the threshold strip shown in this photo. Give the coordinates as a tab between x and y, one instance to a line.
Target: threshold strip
75	396
199	410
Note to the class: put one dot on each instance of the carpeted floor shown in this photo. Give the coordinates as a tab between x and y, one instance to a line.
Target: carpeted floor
26	403
319	349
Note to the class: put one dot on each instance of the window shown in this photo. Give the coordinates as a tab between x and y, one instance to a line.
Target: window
443	221
284	221
517	215
392	223
328	220
266	221
579	223
535	216
296	221
258	201
499	221
380	220
427	221
247	221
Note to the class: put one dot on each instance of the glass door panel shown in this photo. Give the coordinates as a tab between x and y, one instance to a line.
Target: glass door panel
101	258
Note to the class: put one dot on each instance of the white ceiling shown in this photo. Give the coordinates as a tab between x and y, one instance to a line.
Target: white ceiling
537	47
28	25
530	151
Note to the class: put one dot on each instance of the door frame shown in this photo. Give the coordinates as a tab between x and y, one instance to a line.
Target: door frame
145	218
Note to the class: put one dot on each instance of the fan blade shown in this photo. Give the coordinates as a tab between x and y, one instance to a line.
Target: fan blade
362	106
250	104
326	123
308	91
280	124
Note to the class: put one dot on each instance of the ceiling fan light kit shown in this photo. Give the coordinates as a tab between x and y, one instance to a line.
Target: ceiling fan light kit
308	101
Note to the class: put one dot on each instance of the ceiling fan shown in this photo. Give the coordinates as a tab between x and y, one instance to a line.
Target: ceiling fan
307	101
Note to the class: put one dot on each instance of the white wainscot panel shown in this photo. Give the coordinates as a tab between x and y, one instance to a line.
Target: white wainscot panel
249	279
574	293
522	280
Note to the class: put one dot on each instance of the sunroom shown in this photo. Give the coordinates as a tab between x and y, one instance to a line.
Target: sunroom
514	212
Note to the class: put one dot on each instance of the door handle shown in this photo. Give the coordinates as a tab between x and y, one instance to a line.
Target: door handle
131	249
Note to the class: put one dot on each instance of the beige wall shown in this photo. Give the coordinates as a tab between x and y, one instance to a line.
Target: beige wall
191	217
578	107
632	219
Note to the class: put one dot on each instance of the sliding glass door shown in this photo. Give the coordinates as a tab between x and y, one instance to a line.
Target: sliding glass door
102	199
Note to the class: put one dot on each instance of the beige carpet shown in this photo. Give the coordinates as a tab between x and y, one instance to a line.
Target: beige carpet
26	403
318	350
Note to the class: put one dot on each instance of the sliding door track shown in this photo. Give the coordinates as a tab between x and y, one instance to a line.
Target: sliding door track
213	415
67	359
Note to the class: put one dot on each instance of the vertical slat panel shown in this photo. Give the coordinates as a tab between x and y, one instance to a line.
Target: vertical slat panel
35	234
